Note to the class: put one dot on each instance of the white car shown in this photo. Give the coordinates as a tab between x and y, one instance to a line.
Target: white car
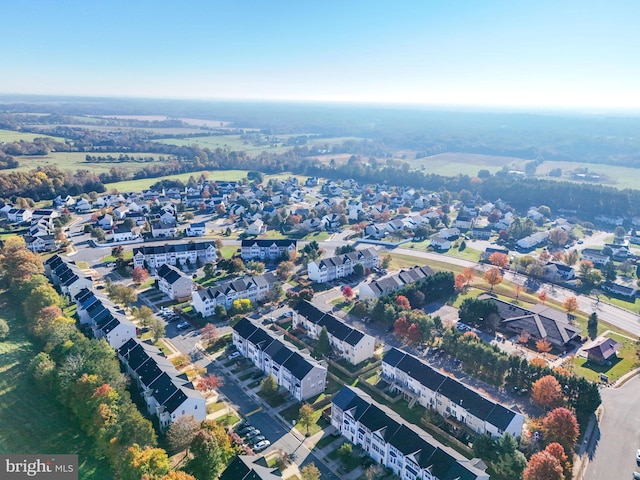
638	456
258	447
234	355
183	325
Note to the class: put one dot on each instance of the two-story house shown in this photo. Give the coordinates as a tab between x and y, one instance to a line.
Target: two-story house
339	266
267	249
173	283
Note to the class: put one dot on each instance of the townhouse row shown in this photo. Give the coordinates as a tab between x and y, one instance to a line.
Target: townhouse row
408	451
294	370
339	266
380	287
461	405
350	343
176	254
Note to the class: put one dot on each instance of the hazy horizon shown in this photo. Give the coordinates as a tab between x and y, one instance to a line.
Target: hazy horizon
575	56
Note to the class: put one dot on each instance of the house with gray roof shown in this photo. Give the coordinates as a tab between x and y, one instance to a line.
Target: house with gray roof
182	253
407	450
173	283
385	285
339	266
295	371
250	467
463	406
348	342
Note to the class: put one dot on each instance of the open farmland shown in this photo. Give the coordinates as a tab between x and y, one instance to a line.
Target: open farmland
228	142
76	160
8	136
143	183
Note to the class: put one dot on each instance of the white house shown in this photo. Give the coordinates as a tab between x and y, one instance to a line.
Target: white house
340	266
595	256
391	283
351	344
295	371
410	452
450	398
533	240
440	243
196	229
192	253
257	227
19	215
173	283
267	249
168	394
161	229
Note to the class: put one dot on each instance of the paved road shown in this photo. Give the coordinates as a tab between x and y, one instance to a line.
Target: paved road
614	444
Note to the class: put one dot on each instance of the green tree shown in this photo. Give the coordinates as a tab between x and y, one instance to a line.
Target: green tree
305	416
255	267
592	325
386	261
209	270
284	270
269	385
41	297
345	451
143	315
207	459
145	462
510	462
241	305
220	311
358	270
323	346
157	328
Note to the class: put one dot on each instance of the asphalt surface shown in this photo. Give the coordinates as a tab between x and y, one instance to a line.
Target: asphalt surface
612	450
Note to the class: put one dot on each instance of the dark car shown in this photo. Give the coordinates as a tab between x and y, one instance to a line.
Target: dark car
245	430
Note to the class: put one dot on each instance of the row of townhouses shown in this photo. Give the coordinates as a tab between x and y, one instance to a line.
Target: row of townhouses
66	276
267	249
339	266
254	288
167	393
408	451
455	401
105	319
351	344
295	371
380	287
174	254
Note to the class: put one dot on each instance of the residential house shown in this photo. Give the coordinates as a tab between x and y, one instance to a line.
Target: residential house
481	233
610	220
421	383
192	253
391	441
120	212
167	393
484	256
295	371
173	283
250	467
19	215
449	233
66	276
628	291
331	268
619	252
257	227
196	229
40	243
255	289
346	341
463	222
311	224
66	201
440	243
160	229
539	321
105	221
559	272
120	233
533	240
114	327
267	249
385	285
330	221
603	351
597	257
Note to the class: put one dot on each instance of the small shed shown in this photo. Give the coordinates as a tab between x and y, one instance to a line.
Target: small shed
603	350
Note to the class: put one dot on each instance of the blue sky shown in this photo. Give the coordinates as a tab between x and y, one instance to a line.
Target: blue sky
515	53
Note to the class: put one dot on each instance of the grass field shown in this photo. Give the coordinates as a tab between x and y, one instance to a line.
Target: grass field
9	136
32	422
229	142
627	360
76	160
138	185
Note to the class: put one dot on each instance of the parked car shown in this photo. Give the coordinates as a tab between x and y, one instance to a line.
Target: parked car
234	355
183	325
252	435
258	447
256	439
638	456
242	424
248	429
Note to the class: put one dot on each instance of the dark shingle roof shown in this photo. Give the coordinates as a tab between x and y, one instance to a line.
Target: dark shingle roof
298	366
244	328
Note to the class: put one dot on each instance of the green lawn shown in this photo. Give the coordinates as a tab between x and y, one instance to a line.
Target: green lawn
317	424
627	361
76	160
227	251
141	184
32	422
9	136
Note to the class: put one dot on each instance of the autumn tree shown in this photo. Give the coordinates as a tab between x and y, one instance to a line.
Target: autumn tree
499	259
207	460
147	462
157	328
208	382
403	302
414	334
386	261
459	283
570	305
254	267
543	466
209	335
542	296
182	432
538	362
347	293
209	269
468	273
139	275
39	298
557	451
543	345
310	472
560	425
547	392
558	237
305	416
177	475
493	277
524	336
571	257
401	327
